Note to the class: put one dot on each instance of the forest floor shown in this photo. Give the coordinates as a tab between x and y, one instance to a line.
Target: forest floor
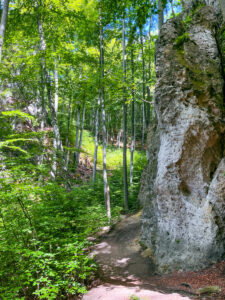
126	273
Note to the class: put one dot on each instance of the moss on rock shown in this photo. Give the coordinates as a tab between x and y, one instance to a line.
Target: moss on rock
207	290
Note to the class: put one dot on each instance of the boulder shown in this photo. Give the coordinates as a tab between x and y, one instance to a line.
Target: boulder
182	188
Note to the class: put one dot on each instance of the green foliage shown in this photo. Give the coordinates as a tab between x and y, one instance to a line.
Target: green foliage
115	164
17	113
45	223
12	140
44	227
43	232
187	21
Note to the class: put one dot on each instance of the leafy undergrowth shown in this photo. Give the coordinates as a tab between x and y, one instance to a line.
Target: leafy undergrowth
43	232
114	154
44	225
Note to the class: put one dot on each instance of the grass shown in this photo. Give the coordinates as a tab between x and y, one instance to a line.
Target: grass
114	155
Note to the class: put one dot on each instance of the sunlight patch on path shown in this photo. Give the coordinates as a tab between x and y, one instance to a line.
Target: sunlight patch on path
122	268
119	292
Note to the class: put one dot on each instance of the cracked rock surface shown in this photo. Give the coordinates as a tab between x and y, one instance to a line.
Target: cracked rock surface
183	186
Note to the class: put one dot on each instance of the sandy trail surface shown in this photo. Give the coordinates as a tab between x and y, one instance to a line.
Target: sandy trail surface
123	268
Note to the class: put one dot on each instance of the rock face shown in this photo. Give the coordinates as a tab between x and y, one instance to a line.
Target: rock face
217	5
183	186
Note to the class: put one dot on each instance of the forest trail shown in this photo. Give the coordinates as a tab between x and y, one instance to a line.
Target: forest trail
125	273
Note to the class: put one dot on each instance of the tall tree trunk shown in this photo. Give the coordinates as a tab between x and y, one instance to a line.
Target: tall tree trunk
67	135
3	25
119	138
40	117
92	123
56	104
160	14
102	99
143	89
42	96
57	144
62	113
125	185
77	134
56	75
42	109
132	148
96	141
81	133
149	75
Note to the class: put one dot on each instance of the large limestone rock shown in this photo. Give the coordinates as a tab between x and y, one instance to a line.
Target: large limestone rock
222	7
183	186
218	5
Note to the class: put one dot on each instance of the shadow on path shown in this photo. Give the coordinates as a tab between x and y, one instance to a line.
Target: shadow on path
123	268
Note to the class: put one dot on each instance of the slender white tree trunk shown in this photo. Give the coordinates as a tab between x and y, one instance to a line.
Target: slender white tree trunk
105	179
3	25
102	99
42	96
96	141
81	133
125	185
143	89
56	75
107	137
77	134
119	138
67	135
56	104
41	120
132	148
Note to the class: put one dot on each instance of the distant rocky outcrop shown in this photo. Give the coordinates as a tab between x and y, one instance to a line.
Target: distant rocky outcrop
183	186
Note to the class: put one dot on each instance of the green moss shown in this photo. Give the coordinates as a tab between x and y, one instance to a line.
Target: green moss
192	68
209	290
180	40
186	22
143	246
197	84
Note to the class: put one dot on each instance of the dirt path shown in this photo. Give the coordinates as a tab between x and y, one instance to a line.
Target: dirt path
124	271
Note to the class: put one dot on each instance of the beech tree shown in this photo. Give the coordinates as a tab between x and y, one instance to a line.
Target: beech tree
102	101
3	24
